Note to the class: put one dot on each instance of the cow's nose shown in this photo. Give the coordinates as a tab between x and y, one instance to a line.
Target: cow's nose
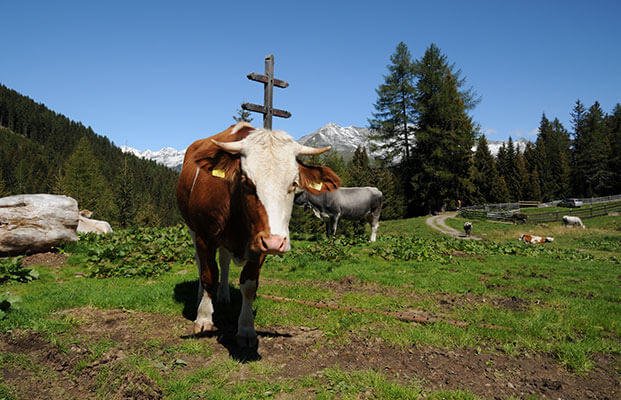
273	244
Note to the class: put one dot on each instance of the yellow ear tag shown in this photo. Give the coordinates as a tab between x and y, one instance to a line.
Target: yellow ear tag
218	172
317	186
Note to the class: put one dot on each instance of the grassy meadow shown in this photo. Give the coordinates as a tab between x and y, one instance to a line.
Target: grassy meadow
111	316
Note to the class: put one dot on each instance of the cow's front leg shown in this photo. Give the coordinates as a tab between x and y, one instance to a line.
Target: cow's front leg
334	220
224	258
208	278
248	284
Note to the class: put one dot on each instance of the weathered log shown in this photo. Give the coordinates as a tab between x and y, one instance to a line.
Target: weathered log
32	223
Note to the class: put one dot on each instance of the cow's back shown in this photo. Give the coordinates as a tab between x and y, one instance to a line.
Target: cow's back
353	202
205	190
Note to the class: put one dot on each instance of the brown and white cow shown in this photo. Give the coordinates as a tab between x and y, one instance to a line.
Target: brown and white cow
235	193
536	239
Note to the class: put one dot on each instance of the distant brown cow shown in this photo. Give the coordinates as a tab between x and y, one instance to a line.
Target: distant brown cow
535	239
235	192
519	218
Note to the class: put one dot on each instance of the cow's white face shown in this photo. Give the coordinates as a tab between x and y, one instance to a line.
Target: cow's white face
269	163
270	177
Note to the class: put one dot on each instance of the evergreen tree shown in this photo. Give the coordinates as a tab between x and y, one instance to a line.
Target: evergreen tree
533	189
445	135
335	162
486	177
613	123
84	181
125	197
502	195
242	116
3	191
520	177
394	202
359	172
592	150
395	109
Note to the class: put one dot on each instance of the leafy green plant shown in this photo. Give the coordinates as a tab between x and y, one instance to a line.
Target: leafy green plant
144	252
12	270
8	302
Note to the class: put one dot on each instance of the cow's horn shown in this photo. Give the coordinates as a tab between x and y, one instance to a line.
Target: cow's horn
231	147
311	151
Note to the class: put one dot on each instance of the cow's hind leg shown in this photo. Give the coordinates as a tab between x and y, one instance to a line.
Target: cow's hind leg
374	222
208	279
224	258
248	284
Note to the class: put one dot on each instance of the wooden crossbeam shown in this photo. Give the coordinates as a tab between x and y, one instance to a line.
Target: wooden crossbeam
269	82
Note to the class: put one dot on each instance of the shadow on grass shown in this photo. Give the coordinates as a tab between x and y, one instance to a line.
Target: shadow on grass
225	319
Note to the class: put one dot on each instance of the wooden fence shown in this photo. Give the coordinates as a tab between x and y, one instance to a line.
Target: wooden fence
597	210
543	217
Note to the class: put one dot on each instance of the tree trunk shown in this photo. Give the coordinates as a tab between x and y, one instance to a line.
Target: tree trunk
32	223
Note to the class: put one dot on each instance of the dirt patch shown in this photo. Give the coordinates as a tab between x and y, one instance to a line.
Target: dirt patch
48	371
51	260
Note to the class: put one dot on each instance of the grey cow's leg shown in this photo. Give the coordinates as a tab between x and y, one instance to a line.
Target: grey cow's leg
332	224
374	222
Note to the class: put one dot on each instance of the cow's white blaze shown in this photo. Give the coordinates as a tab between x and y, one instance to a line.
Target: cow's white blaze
268	160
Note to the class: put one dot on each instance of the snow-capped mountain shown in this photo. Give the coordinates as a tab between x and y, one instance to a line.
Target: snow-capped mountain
344	140
167	156
494	145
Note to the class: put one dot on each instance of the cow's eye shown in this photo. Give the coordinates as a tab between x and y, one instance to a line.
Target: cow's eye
294	186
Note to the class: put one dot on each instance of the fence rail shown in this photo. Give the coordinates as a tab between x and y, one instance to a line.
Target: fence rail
584	213
604	206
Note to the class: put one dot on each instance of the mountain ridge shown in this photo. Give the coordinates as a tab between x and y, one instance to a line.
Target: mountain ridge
343	139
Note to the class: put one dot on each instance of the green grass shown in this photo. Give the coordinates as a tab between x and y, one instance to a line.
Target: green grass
568	291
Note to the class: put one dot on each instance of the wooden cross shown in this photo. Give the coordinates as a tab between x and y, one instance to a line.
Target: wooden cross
269	82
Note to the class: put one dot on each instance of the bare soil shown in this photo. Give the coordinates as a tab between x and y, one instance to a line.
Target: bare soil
43	370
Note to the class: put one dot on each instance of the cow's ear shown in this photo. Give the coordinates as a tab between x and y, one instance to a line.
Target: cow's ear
317	180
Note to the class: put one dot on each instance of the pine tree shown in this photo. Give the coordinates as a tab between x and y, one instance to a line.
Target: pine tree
242	116
486	177
591	154
125	197
395	108
613	122
533	189
359	172
445	135
394	202
84	181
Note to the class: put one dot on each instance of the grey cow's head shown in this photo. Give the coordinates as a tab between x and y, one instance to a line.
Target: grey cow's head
301	198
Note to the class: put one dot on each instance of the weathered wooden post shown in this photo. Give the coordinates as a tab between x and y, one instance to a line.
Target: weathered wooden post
269	82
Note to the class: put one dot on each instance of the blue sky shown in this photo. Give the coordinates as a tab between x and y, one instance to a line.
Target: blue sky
151	74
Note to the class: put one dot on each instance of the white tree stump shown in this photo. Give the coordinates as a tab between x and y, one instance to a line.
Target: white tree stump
32	223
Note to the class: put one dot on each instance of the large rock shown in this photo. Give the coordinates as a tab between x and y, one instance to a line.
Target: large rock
32	223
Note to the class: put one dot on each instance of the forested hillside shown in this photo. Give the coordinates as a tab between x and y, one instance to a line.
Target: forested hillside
42	151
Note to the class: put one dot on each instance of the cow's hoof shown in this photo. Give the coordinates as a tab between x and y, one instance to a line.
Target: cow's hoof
247	342
200	327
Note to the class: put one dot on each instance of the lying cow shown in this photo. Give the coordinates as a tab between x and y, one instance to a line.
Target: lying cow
519	218
348	203
535	239
468	228
88	225
572	221
235	193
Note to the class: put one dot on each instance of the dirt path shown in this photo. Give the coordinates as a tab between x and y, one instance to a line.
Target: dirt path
438	222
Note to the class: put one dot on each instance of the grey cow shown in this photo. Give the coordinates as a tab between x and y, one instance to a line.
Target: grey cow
345	202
